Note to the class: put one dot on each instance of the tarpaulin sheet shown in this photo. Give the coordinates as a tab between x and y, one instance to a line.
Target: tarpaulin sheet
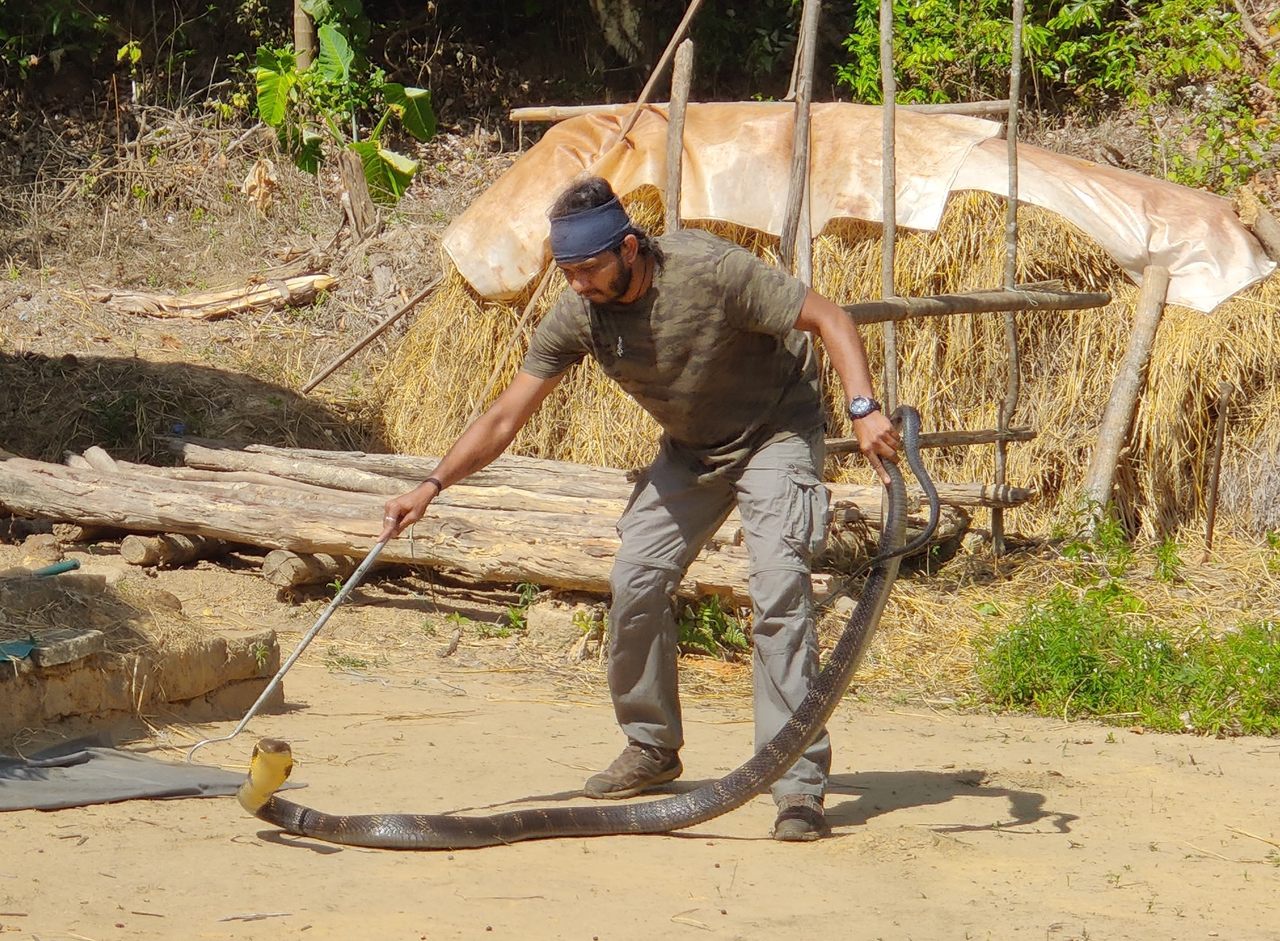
79	774
736	166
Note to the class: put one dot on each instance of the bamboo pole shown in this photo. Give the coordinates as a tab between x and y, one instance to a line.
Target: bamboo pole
556	113
796	243
888	198
1009	404
369	337
1113	432
977	302
681	78
676	38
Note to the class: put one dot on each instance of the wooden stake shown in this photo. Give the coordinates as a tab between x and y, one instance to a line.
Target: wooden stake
796	242
681	78
1225	389
1113	432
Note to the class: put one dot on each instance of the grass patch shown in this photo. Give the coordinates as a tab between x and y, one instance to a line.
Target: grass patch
1087	652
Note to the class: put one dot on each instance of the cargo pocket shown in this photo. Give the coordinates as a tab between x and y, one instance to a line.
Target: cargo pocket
810	514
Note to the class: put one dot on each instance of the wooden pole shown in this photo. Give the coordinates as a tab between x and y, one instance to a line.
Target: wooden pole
978	302
1009	405
554	113
369	337
681	78
1225	389
170	549
888	198
676	38
1113	432
796	244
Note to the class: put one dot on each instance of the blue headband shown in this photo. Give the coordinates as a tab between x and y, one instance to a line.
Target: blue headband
585	234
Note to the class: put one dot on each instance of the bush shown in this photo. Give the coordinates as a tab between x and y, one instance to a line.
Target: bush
1084	653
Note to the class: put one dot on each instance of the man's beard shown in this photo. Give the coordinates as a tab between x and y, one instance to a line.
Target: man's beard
619	285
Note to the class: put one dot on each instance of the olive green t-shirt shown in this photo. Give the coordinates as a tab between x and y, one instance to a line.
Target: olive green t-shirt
710	351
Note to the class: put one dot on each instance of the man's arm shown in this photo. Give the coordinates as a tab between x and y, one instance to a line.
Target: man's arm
875	433
488	436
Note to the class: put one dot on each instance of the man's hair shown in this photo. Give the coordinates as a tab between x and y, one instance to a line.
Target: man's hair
594	191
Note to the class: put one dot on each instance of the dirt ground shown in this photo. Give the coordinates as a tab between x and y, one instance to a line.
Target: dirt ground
946	824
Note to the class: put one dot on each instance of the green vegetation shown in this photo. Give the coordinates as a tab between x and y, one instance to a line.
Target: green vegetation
1088	651
309	106
1147	55
516	615
706	627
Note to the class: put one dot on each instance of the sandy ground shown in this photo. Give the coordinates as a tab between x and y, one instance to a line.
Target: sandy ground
947	825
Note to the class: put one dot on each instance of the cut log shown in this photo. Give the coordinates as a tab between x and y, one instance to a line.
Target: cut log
74	532
510	547
170	549
285	569
534	483
301	289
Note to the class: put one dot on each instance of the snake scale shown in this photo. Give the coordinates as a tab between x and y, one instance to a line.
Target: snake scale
272	759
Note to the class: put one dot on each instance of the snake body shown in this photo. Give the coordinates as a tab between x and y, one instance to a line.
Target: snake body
272	759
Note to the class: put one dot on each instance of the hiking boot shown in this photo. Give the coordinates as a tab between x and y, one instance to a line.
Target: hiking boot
800	819
637	769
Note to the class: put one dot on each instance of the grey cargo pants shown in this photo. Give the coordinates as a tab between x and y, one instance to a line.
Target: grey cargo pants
785	510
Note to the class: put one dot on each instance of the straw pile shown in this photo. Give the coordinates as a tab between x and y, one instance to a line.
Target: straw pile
461	352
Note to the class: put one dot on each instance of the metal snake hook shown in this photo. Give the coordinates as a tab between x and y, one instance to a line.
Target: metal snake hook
351	583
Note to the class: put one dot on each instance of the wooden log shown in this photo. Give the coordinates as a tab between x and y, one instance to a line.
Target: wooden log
554	113
1113	432
534	484
496	546
944	439
977	302
170	549
74	532
286	569
99	459
1263	225
300	289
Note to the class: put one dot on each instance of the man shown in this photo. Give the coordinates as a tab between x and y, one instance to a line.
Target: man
714	344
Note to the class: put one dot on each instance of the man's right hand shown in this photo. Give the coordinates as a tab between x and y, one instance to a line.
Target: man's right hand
403	511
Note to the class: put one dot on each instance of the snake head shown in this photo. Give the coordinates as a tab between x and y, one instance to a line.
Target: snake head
275	753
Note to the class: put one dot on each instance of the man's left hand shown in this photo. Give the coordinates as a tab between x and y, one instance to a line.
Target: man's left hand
878	440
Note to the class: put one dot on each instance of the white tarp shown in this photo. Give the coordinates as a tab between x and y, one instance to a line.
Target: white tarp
737	162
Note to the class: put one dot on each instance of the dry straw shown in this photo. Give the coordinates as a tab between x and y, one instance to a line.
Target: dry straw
952	368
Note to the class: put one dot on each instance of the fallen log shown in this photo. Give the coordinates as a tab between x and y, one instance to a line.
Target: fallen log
170	549
300	289
497	546
286	569
538	479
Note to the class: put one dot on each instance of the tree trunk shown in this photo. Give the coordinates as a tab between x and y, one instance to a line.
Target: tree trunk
304	35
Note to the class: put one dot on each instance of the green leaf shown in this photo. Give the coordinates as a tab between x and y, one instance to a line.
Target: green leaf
334	61
387	172
318	10
275	74
413	107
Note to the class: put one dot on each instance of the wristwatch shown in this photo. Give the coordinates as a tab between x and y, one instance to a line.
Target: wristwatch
860	407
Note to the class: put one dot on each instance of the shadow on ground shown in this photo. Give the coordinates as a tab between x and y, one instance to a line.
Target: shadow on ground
49	406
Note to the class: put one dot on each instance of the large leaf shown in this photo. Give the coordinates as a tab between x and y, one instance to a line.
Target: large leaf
334	61
318	10
413	107
387	172
275	74
303	144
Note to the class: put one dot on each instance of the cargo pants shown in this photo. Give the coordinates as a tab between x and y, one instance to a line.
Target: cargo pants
785	511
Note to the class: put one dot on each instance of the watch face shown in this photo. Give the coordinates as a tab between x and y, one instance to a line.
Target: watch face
861	406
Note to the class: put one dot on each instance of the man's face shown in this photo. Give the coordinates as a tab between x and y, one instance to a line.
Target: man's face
600	279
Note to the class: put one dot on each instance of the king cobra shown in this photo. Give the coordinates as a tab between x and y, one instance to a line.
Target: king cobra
272	759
